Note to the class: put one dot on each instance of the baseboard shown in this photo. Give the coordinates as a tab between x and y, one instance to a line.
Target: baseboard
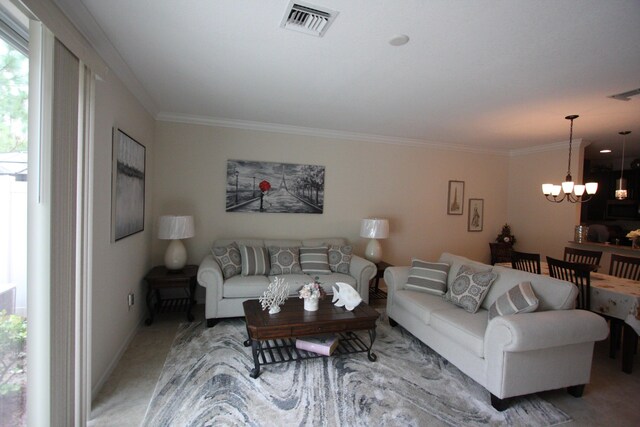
116	359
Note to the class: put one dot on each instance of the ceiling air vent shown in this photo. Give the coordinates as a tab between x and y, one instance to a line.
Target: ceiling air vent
307	18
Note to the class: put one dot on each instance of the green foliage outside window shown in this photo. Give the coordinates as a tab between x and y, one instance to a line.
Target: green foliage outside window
14	89
13	340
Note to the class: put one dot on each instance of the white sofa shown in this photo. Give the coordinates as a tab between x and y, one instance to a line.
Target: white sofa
224	298
511	355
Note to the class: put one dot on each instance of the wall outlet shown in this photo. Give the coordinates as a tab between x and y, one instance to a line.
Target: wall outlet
131	300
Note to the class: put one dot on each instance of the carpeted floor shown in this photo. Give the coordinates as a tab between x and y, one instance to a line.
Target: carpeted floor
205	382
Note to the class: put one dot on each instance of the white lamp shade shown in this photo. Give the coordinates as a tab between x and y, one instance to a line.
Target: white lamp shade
374	228
567	187
547	189
592	187
171	227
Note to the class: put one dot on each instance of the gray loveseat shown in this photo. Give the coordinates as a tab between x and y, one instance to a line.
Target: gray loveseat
224	298
510	355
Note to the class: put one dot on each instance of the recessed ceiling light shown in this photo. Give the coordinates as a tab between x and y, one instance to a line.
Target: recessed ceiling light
605	151
399	40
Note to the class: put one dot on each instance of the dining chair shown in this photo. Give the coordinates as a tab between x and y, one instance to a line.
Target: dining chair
625	266
525	262
577	273
583	256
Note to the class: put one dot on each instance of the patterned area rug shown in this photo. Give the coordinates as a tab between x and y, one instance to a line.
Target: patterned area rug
205	382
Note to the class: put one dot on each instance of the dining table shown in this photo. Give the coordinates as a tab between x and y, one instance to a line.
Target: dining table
616	298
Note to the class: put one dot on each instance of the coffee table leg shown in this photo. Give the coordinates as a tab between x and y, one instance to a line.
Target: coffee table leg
372	335
255	349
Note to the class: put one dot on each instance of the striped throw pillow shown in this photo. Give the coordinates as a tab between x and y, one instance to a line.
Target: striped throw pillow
519	299
314	260
255	261
429	277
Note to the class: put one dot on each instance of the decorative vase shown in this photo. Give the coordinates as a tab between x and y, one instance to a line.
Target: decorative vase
635	243
311	304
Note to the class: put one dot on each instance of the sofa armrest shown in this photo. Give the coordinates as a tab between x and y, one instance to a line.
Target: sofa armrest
545	329
210	277
396	277
363	271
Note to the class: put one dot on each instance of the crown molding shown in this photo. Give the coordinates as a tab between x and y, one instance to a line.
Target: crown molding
579	143
321	133
78	14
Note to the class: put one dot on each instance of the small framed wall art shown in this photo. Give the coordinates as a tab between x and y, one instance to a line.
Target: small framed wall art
127	187
455	200
476	214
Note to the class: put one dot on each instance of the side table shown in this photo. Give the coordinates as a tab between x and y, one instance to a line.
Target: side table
374	291
161	278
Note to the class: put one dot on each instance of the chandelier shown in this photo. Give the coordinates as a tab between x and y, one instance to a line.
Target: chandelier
571	192
621	183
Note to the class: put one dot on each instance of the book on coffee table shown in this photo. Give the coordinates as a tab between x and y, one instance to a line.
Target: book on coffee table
321	344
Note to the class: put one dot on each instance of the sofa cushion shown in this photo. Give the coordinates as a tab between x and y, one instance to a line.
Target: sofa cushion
420	304
338	241
552	294
282	243
245	287
470	287
314	260
340	258
284	260
519	299
467	329
228	257
255	260
457	261
429	277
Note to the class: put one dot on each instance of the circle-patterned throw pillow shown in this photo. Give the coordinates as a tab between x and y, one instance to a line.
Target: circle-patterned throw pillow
470	287
284	260
340	258
228	257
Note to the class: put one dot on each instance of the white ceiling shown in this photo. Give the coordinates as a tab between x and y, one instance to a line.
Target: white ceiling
493	74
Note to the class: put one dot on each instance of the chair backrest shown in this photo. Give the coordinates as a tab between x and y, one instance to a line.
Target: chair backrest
576	273
525	262
500	252
625	266
582	256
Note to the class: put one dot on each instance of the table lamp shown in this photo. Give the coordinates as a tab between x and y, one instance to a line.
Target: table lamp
374	228
174	228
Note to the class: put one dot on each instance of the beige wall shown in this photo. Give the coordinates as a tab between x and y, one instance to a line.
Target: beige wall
406	184
540	226
118	267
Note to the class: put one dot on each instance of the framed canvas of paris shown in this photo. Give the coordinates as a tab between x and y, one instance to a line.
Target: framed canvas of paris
128	179
455	200
476	214
268	187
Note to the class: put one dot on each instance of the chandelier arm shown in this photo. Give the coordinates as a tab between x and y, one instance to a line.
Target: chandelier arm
555	199
578	199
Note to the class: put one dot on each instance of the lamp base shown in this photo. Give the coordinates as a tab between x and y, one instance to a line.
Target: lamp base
373	251
175	258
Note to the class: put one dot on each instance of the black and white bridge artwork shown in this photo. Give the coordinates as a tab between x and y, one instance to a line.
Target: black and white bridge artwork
274	187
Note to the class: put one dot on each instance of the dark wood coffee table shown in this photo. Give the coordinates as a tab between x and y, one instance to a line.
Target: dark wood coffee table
272	336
